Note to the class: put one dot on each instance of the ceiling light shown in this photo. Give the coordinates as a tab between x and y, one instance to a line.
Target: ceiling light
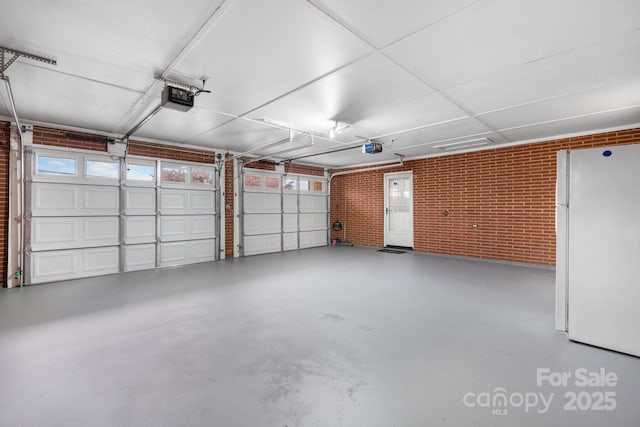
463	144
466	146
337	129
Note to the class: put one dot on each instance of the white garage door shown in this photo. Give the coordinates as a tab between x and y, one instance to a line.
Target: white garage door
282	212
90	214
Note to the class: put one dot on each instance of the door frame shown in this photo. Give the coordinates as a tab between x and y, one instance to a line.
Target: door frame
387	176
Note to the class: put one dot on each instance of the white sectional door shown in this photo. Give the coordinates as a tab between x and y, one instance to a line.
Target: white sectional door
282	212
139	220
262	206
89	214
186	214
73	216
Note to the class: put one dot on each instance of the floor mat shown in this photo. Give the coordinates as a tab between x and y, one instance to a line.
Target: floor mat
391	251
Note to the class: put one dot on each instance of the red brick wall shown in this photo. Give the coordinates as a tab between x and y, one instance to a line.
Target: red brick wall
303	169
4	198
509	192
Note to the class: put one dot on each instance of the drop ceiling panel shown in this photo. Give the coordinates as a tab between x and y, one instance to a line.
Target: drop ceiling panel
599	65
239	136
492	36
617	96
383	22
467	128
259	50
119	41
374	96
178	126
611	119
42	95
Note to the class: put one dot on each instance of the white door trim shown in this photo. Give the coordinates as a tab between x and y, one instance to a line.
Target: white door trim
387	176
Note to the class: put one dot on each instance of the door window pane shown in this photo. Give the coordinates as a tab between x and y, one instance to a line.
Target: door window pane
174	174
56	166
141	172
290	184
102	169
252	180
318	186
271	182
304	185
201	176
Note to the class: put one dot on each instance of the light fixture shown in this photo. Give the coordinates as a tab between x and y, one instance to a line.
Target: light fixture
463	144
337	128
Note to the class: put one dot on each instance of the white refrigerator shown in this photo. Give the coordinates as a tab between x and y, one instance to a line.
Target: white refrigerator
598	247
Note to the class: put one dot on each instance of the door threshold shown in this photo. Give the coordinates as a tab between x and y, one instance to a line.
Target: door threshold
402	248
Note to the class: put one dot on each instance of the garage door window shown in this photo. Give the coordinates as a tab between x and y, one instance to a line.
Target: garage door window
100	169
143	173
174	174
254	181
49	165
201	176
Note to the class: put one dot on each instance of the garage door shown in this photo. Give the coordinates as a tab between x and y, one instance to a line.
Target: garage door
282	212
90	214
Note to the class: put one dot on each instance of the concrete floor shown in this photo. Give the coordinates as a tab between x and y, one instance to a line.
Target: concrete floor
322	337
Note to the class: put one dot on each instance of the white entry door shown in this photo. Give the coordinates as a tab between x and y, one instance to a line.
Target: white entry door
398	209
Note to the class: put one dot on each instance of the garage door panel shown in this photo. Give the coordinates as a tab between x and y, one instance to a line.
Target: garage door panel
74	263
290	222
53	233
173	201
140	257
140	201
174	228
179	253
100	260
66	233
101	231
100	200
261	224
139	229
290	203
186	202
315	221
202	227
201	250
263	244
290	241
309	203
262	203
201	201
310	239
50	199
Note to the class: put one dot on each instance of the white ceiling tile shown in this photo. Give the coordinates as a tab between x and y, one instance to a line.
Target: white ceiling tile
44	96
120	42
382	22
616	96
259	50
464	129
178	126
374	96
239	136
611	119
588	68
492	36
